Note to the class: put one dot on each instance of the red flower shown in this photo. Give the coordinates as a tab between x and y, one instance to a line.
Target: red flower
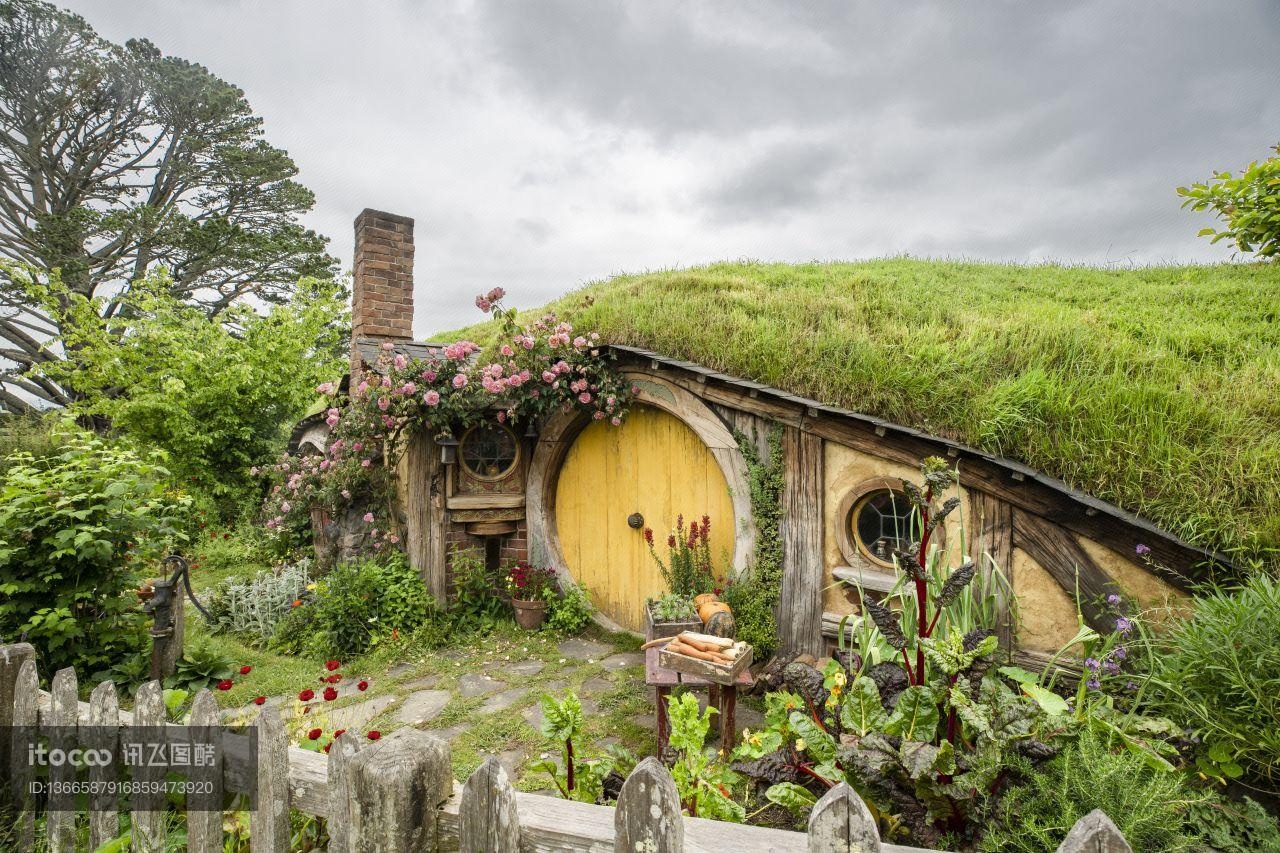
226	684
334	679
307	695
245	670
259	700
339	733
297	602
330	694
671	541
327	746
331	665
648	535
314	734
362	686
374	735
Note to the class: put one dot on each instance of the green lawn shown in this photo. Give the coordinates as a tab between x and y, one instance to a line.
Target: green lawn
1155	388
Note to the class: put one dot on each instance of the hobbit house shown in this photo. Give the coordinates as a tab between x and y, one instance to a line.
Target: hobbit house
577	493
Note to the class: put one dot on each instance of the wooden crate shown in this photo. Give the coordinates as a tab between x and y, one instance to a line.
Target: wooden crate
720	674
657	630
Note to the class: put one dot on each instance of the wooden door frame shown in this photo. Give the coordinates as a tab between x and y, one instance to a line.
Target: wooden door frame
557	437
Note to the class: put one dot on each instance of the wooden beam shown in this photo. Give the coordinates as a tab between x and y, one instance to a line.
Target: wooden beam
992	548
800	614
1059	554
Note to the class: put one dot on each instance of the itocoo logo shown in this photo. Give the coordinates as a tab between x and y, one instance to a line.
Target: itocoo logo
40	755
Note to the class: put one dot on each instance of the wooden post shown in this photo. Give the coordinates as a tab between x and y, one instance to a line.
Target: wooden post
800	616
204	825
648	814
992	548
167	630
12	657
64	715
269	822
148	809
26	698
399	783
341	752
103	734
422	477
487	818
1094	833
841	821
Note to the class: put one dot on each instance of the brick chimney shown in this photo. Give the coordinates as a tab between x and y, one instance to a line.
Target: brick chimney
382	286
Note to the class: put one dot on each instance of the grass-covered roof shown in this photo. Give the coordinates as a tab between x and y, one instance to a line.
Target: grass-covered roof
1157	389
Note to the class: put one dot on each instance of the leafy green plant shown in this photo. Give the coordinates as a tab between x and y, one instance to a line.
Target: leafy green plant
1149	806
253	608
476	602
1248	202
688	570
77	530
573	777
1231	826
672	608
200	666
570	611
702	781
754	599
359	603
1218	673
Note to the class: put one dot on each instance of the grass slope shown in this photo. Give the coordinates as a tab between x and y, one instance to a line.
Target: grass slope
1157	389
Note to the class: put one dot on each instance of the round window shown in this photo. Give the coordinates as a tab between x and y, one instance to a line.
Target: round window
489	451
882	521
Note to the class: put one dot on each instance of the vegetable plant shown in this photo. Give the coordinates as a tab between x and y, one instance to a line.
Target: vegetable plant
573	777
702	781
688	570
672	608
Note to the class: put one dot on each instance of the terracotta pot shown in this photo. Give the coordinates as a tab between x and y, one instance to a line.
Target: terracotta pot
708	608
529	614
145	593
700	600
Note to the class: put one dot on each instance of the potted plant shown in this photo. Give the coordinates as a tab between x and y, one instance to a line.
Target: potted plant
669	615
530	587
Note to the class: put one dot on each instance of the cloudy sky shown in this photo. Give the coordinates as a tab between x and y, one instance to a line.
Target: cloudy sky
541	144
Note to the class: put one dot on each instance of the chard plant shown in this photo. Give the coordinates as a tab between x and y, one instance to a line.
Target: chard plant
703	782
574	778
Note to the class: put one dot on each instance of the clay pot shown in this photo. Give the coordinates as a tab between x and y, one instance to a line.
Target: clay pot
707	608
699	600
529	614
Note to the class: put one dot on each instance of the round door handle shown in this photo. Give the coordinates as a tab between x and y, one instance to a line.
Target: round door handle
635	521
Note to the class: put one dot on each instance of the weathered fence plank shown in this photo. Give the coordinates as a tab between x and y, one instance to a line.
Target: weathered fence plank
24	713
12	657
800	617
841	821
487	818
269	822
341	752
63	719
1094	833
204	827
398	784
148	823
647	817
104	735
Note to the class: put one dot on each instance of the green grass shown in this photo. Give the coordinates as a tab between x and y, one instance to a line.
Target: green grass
1155	388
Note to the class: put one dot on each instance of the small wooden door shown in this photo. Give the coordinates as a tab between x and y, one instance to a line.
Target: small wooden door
654	465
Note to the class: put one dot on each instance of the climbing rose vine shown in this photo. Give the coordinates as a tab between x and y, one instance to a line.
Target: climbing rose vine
535	371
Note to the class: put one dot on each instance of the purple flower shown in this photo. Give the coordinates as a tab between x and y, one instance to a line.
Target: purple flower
1111	666
1091	664
1132	685
1092	684
1119	653
1142	550
1123	625
1113	599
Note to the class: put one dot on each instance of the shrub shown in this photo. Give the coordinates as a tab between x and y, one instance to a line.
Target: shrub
76	529
359	603
1249	204
33	433
253	608
754	599
1149	806
688	570
475	598
570	611
1218	673
225	554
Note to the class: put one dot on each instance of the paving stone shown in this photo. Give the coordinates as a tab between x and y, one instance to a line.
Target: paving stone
356	717
422	706
581	649
597	685
555	686
400	669
510	759
424	683
622	660
472	685
502	701
447	734
647	721
526	668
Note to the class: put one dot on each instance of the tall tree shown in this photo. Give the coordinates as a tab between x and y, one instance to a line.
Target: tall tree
116	159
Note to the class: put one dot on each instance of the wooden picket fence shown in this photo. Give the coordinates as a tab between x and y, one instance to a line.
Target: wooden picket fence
398	793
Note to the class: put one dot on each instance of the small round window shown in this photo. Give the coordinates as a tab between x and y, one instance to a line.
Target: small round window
882	521
489	451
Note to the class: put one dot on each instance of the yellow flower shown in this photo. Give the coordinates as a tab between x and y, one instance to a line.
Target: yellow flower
800	744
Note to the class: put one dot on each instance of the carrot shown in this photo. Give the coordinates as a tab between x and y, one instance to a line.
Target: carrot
689	651
661	641
718	642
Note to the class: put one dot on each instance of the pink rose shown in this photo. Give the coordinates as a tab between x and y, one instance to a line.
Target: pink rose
408	388
598	416
365	463
383	403
584	398
400	362
460	381
368	518
507	351
388	346
431	398
548	377
617	421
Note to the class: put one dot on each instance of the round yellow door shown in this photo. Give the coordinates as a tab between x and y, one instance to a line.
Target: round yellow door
653	465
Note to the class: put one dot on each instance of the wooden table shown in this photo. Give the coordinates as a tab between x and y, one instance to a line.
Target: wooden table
724	698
